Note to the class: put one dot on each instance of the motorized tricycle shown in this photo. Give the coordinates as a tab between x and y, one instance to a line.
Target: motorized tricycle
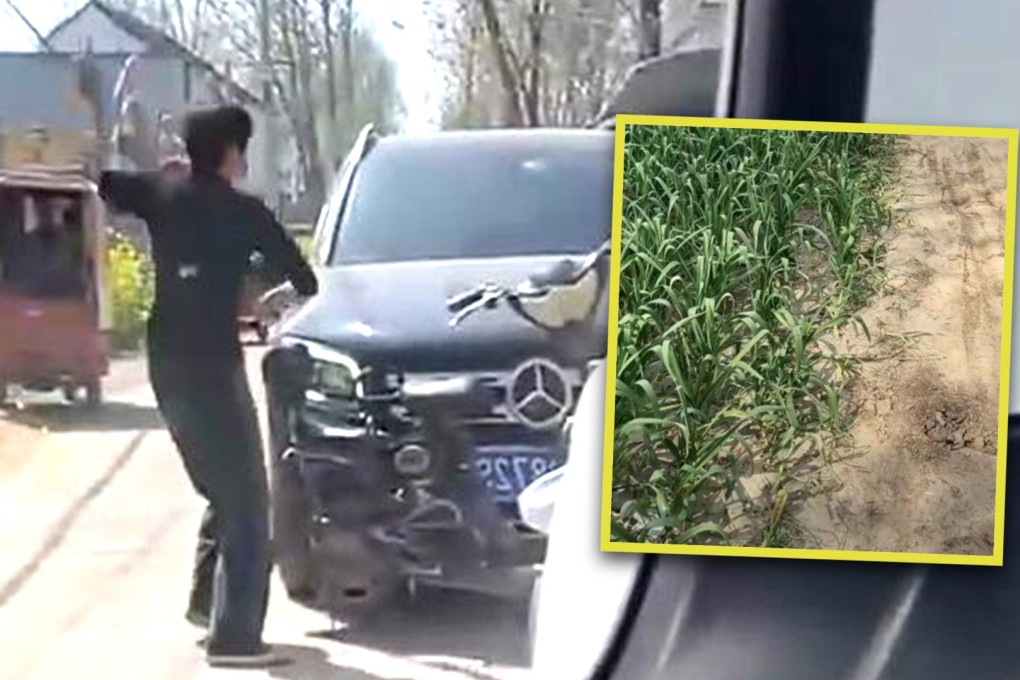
55	313
401	503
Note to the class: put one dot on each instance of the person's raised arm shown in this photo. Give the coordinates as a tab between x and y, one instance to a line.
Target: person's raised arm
130	192
282	255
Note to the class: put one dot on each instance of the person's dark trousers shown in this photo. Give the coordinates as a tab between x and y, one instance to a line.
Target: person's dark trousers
209	411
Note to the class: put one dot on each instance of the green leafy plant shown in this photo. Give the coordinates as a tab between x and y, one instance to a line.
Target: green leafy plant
741	252
131	282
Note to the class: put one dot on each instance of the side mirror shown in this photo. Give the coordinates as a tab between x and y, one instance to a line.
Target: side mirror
563	273
564	304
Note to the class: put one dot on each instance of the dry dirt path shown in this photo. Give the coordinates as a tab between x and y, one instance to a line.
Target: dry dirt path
96	534
921	473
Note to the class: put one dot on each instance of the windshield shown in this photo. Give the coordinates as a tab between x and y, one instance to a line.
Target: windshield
41	244
470	196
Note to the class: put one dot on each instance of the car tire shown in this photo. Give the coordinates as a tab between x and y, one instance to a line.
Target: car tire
291	515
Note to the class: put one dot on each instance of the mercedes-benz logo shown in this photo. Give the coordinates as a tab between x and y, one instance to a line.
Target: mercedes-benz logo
539	394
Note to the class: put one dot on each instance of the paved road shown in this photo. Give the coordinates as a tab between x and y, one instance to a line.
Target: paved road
96	534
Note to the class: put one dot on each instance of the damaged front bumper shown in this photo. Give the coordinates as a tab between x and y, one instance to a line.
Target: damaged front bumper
411	512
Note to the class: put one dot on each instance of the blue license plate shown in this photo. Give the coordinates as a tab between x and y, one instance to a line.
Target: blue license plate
506	475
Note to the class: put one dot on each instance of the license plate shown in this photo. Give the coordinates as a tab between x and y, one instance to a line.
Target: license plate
506	475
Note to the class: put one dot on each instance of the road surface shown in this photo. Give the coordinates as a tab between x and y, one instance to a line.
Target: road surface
96	533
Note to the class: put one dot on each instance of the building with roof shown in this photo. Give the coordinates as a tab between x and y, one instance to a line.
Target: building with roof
111	31
169	79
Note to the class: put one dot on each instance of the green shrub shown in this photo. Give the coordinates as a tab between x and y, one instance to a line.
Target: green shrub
131	281
741	252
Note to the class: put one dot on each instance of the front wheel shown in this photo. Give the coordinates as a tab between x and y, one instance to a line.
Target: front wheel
291	514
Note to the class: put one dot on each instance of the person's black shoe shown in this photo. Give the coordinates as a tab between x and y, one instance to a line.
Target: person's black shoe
197	618
264	657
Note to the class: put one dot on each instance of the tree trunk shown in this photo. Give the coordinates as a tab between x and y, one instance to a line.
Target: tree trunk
296	49
533	90
197	34
650	28
183	30
347	50
468	93
309	128
513	114
327	32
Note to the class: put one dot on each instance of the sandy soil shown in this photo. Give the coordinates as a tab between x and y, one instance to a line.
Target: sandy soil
919	475
16	443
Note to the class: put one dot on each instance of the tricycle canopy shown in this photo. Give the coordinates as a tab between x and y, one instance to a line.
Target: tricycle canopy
70	185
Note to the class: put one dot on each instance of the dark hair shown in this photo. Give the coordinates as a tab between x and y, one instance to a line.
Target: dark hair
208	134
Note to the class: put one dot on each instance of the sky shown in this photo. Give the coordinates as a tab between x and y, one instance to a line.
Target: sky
408	46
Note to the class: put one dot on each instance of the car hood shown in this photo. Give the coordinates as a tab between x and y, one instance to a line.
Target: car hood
395	315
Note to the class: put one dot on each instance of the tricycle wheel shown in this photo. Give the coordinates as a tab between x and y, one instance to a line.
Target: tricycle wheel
70	392
94	394
3	393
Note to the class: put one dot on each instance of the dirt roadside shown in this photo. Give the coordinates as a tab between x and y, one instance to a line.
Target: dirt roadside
16	444
122	525
919	475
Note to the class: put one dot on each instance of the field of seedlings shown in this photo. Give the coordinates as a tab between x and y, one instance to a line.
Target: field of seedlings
808	339
741	251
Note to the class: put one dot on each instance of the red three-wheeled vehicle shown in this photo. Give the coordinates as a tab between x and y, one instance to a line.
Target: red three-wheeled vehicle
55	312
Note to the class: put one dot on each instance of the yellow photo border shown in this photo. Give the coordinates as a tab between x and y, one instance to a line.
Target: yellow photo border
995	559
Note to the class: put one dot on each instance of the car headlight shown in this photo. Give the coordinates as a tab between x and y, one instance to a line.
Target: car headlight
333	374
334	380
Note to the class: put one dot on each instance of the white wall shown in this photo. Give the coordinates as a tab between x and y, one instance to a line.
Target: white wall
106	36
949	62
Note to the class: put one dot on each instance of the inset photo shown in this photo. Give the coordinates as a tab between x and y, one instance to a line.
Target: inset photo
809	340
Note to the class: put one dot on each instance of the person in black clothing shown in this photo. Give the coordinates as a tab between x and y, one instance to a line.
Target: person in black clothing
203	234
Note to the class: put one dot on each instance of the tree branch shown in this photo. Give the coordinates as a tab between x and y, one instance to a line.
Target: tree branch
506	63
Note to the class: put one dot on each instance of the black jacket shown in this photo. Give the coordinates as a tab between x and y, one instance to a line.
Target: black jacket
203	234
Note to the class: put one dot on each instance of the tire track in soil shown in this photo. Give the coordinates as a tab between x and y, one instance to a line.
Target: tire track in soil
919	475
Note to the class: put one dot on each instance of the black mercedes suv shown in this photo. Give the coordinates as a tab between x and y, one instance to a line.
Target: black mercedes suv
412	222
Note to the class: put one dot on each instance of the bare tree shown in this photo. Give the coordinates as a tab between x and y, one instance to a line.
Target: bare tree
298	52
533	81
505	63
544	62
347	49
650	33
320	57
326	7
